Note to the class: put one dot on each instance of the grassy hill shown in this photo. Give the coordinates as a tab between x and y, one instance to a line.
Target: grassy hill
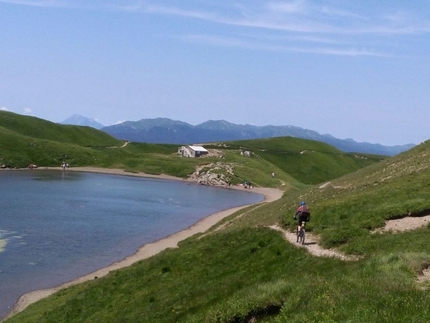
247	272
308	161
36	128
244	271
350	206
28	140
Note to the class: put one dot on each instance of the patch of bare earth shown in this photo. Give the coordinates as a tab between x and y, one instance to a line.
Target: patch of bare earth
404	224
408	224
398	225
311	244
424	275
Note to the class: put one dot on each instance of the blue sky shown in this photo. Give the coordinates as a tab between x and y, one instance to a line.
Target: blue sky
354	69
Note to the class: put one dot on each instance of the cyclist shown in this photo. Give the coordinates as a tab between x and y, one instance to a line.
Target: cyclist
303	214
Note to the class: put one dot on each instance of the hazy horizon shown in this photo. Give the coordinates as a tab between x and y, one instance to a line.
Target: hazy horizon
352	69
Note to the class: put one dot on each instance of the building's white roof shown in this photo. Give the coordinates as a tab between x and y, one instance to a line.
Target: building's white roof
198	148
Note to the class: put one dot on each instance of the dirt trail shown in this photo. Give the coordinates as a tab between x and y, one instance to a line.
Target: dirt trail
399	225
122	146
311	244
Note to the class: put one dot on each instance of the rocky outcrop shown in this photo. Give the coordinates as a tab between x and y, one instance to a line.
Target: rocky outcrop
214	174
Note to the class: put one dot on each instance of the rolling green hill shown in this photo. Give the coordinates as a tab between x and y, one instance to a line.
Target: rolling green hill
36	128
308	161
242	270
28	140
350	206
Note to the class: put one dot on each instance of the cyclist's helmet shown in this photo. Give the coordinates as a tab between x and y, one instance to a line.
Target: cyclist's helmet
303	203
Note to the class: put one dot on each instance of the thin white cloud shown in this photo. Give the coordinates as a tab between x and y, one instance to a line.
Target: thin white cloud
72	4
27	111
317	20
334	12
4	109
276	47
300	16
341	52
231	42
294	7
298	24
36	3
297	16
196	14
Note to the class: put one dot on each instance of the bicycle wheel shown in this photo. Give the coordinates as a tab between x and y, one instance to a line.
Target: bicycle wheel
303	234
300	235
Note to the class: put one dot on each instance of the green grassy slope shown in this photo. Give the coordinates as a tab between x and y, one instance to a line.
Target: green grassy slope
348	207
239	275
308	161
36	128
28	140
247	271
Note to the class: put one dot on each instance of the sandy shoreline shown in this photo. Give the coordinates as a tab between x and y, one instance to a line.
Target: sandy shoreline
147	250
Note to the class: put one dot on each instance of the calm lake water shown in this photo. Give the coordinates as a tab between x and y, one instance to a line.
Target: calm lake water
62	225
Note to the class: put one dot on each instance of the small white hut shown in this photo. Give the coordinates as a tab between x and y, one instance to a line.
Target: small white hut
192	151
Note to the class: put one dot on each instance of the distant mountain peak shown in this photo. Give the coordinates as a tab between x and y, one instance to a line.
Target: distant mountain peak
167	131
78	120
216	124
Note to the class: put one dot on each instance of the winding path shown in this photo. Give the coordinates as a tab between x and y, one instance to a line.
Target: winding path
311	245
395	226
122	146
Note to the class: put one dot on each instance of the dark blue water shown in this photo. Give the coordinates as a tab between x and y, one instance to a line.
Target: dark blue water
62	225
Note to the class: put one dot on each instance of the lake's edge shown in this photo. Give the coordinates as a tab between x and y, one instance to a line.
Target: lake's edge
147	250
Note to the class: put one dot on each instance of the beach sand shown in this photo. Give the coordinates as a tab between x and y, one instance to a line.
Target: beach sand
148	250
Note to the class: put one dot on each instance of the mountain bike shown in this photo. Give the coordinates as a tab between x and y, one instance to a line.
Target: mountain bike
301	233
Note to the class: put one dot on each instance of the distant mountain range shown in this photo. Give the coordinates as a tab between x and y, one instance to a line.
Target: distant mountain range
79	120
167	131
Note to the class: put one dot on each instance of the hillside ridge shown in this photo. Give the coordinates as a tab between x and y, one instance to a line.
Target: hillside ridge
167	131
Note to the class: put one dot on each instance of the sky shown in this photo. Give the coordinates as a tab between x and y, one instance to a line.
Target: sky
352	69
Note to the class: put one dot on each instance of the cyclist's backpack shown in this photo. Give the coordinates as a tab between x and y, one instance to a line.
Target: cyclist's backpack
306	212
